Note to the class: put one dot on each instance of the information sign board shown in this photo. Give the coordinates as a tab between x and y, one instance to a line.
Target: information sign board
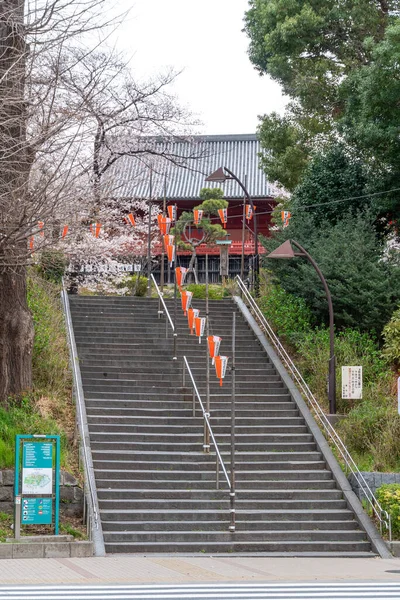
352	383
37	468
37	511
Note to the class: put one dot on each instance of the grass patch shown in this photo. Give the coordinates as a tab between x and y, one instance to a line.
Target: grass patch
48	408
371	429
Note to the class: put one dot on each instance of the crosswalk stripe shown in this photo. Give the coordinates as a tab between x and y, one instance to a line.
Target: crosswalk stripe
265	591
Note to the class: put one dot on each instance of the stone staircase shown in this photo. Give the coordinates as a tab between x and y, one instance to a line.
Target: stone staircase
156	487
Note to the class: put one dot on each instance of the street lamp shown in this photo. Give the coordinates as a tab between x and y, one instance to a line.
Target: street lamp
285	250
221	175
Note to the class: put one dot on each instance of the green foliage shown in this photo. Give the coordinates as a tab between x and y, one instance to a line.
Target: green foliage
286	141
365	288
50	405
211	194
332	59
391	335
388	496
212	206
136	284
332	175
215	292
24	417
52	265
370	119
288	314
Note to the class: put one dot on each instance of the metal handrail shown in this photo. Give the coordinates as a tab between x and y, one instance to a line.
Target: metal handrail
90	484
381	514
206	417
160	312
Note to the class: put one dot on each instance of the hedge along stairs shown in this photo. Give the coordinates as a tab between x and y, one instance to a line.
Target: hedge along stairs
156	487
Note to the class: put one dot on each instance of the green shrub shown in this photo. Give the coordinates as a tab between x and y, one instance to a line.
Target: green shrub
49	406
215	292
388	496
391	335
136	284
287	314
52	265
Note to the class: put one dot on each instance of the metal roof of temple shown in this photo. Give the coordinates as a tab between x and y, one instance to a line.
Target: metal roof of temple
190	161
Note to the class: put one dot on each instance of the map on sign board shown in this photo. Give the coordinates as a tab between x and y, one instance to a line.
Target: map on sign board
352	383
37	468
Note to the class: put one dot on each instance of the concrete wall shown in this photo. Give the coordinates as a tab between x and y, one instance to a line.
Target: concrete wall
374	480
71	495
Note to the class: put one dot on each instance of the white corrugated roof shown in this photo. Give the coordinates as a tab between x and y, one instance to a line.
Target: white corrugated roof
193	160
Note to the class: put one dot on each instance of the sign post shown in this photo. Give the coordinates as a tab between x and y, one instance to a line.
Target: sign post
38	479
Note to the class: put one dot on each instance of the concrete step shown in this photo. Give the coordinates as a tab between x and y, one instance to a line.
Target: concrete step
104	461
223	525
154	429
189	483
186	516
177	446
255	497
238	537
232	547
243	478
218	504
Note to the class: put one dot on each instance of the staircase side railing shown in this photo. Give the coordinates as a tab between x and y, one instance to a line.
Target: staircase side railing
207	426
168	320
382	515
91	505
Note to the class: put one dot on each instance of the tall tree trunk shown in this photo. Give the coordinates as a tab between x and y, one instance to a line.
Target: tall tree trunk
16	328
16	334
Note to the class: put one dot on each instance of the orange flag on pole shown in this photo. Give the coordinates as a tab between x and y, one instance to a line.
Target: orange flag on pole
221	362
223	215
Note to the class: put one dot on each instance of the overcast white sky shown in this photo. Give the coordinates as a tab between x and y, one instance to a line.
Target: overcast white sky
204	38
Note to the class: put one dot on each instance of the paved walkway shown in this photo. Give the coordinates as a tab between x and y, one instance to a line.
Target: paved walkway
198	569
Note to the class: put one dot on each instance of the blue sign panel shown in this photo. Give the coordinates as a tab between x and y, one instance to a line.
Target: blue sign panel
36	511
37	455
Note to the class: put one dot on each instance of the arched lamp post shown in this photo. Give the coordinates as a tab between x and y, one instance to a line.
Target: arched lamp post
285	250
221	175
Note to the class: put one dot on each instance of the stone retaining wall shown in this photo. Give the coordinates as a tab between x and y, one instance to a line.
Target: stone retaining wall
374	480
71	495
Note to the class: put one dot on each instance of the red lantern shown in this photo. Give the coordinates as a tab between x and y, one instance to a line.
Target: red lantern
171	254
31	243
131	219
249	211
169	240
199	325
180	274
172	212
64	231
214	342
41	225
223	215
198	215
285	214
221	362
186	299
95	228
193	313
164	224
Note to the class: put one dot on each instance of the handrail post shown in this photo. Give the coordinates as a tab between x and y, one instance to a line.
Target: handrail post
206	434
175	345
232	496
217	473
183	373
